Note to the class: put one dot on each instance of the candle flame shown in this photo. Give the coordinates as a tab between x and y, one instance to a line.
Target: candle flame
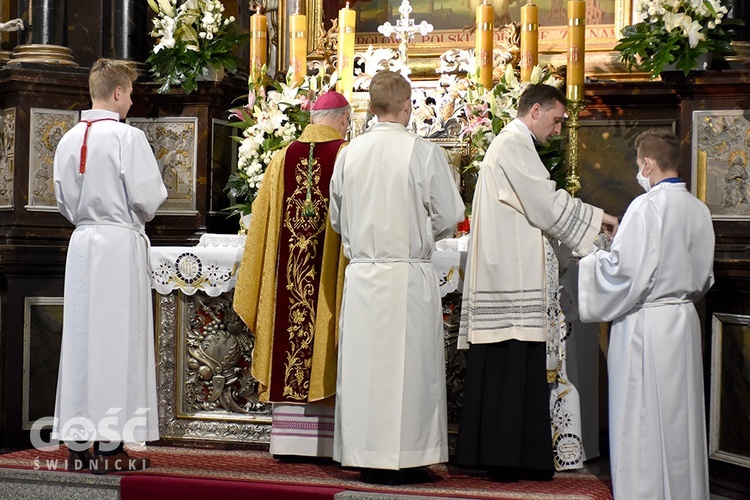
347	5
257	9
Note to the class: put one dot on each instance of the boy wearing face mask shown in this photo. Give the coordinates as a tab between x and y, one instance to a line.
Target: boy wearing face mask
659	264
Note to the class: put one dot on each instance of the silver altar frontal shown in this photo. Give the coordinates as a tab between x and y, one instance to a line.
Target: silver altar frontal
204	351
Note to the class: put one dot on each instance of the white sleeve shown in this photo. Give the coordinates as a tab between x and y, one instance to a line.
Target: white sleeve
612	283
574	223
445	201
140	172
335	193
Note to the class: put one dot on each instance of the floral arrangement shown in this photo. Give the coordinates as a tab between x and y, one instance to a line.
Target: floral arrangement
482	114
194	38
675	32
273	117
457	106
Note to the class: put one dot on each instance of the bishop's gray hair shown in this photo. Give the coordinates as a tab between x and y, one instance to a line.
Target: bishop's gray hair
320	114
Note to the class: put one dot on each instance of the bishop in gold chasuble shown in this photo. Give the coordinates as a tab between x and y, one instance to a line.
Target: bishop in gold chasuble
289	287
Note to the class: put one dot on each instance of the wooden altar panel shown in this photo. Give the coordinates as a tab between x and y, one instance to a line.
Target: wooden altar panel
42	334
729	434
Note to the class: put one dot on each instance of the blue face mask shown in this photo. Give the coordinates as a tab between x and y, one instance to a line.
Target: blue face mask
643	181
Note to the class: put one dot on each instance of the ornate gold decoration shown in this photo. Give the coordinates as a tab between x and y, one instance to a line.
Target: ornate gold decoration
507	52
573	182
328	41
300	274
308	209
42	53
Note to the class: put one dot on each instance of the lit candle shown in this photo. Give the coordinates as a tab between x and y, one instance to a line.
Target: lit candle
258	44
529	40
576	49
297	47
483	52
345	61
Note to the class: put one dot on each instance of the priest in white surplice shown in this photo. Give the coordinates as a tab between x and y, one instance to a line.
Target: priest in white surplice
108	184
510	313
659	264
392	195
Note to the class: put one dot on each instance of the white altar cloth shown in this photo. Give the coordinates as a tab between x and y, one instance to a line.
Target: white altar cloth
449	261
211	266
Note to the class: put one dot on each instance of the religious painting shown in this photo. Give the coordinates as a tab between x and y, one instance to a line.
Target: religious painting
42	337
721	162
175	145
47	128
729	434
454	21
607	166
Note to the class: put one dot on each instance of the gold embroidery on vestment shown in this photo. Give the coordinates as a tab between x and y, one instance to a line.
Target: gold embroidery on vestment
301	276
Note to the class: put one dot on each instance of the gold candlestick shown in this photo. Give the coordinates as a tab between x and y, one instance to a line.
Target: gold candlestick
572	181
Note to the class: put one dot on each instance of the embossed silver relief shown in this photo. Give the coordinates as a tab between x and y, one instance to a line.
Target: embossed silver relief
166	335
175	145
205	391
455	359
219	355
217	397
7	156
47	128
721	162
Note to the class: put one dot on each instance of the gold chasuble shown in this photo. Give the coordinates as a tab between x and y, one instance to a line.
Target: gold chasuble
291	278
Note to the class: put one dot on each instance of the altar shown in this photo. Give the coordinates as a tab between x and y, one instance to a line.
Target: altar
204	351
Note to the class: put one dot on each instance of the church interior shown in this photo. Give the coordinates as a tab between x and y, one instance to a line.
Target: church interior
192	115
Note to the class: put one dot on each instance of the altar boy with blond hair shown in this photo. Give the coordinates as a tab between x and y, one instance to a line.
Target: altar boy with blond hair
392	195
108	184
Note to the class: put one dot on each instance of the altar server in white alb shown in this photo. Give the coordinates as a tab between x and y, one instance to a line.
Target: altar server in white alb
659	264
392	195
108	184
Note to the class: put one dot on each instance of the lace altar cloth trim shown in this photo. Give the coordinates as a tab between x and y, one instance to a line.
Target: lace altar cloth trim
212	265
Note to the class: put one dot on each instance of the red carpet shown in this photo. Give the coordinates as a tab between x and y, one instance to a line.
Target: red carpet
193	473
